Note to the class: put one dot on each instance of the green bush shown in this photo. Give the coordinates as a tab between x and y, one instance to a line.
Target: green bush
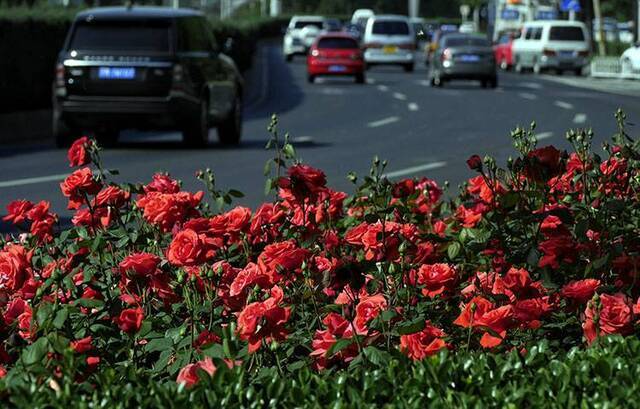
601	376
30	40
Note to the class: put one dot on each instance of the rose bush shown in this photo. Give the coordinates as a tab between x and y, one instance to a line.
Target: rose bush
151	279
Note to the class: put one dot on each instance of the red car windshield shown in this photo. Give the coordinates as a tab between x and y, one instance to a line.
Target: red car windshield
337	43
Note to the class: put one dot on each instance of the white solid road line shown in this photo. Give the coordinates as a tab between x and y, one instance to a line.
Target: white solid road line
33	181
528	96
415	169
531	85
383	88
399	96
544	135
383	122
580	119
413	107
563	105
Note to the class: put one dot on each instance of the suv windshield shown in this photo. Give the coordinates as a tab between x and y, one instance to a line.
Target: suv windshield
303	24
337	42
466	41
566	34
123	36
390	27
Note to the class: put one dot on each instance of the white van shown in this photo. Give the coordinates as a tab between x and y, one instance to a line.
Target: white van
554	44
390	40
361	16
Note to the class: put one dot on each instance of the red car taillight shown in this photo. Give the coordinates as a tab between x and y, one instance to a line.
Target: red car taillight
548	53
60	80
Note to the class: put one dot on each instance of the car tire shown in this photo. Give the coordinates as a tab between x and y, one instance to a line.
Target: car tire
518	67
107	138
409	67
196	133
62	133
578	72
360	79
503	65
436	81
311	79
493	83
559	72
230	131
289	57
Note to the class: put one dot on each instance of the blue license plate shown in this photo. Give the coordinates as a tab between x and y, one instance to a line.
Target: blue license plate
337	68
116	73
566	53
469	58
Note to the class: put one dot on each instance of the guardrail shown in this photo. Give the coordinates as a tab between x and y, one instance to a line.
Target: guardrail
612	67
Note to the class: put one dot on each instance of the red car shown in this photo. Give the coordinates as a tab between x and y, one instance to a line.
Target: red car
336	54
503	50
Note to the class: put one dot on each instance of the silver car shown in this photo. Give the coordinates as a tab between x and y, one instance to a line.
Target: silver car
466	57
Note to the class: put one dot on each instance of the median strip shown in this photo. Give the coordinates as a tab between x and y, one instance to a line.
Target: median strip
383	122
415	169
33	181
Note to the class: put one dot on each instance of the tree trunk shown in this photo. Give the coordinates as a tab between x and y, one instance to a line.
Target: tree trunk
598	17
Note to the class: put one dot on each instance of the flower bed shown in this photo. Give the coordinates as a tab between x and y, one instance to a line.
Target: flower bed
156	284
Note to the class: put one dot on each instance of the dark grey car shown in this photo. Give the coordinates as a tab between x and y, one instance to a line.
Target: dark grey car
466	57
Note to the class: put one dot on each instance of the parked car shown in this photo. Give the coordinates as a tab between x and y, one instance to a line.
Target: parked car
301	34
503	49
361	16
464	56
145	68
389	39
336	54
630	59
559	45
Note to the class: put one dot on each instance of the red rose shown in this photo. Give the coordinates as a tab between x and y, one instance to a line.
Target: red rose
189	374
543	163
15	308
265	320
93	361
609	314
111	196
480	312
82	345
162	184
368	309
238	220
17	211
130	320
475	163
77	185
186	249
285	256
142	264
15	267
303	181
580	291
167	209
77	154
420	345
436	278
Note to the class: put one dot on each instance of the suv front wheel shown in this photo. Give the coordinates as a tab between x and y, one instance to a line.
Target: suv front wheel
230	131
62	133
196	133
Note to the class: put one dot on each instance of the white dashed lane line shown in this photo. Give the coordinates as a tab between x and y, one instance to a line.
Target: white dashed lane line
383	122
415	169
413	107
424	83
580	119
399	96
383	88
526	95
544	135
563	105
33	181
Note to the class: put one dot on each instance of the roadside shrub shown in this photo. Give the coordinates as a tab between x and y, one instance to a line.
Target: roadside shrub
347	296
30	40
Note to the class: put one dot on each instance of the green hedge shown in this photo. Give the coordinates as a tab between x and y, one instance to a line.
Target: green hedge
31	39
600	376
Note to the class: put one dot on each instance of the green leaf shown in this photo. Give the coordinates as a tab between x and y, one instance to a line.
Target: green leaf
453	250
412	326
339	346
35	352
43	313
236	193
159	345
61	317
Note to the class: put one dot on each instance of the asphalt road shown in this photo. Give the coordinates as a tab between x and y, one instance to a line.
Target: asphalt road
339	126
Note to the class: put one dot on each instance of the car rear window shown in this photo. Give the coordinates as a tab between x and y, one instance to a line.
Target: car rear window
337	42
390	27
466	41
561	33
303	24
122	36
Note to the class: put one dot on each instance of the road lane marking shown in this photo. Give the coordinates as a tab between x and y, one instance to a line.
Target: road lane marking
531	85
332	91
526	95
383	122
33	181
302	139
544	135
580	118
415	169
383	88
371	80
399	96
413	107
424	83
563	105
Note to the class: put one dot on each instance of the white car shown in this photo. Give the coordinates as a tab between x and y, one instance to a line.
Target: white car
467	28
554	44
630	59
390	40
361	16
301	34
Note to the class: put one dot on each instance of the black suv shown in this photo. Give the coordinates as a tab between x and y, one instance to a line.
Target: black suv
145	68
